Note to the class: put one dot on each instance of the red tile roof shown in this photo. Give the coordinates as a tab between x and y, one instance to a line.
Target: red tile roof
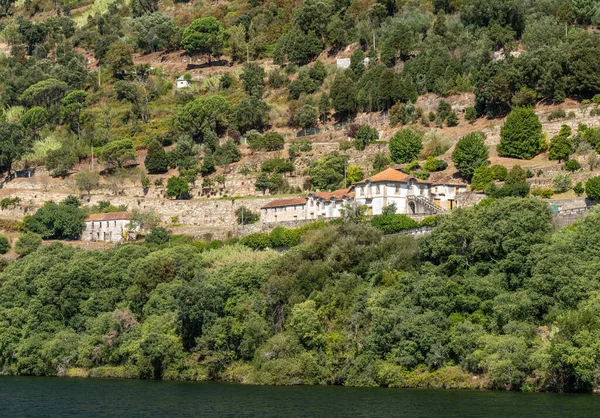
113	216
336	194
285	202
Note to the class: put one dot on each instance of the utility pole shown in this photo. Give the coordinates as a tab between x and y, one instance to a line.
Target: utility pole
92	158
99	71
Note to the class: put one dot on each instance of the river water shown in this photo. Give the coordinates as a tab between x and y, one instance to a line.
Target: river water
62	397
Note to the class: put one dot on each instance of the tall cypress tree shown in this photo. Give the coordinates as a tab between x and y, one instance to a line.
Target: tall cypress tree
156	160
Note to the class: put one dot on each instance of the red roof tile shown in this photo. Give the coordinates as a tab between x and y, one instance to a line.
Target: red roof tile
113	216
285	202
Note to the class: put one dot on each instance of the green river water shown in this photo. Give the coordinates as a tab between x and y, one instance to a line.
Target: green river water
62	397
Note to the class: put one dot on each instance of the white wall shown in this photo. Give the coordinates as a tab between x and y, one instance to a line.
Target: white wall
105	230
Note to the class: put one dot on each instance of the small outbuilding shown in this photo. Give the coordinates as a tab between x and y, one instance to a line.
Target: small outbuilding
182	82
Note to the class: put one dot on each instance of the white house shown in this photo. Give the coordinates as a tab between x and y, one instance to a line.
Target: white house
410	196
182	82
113	227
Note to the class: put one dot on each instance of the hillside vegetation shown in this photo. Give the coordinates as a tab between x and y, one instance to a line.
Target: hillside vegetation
80	76
492	298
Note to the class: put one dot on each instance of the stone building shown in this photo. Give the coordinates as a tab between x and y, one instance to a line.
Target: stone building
410	196
113	227
182	82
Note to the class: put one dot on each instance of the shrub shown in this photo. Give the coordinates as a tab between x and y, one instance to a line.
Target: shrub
516	175
561	183
482	178
579	189
521	135
470	153
271	141
592	188
452	119
543	193
227	153
245	216
471	114
277	165
27	243
500	172
365	135
158	235
178	187
393	223
557	114
406	145
561	145
572	165
86	181
4	244
508	190
433	164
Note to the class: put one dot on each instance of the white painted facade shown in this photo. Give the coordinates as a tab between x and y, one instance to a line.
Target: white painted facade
182	82
109	227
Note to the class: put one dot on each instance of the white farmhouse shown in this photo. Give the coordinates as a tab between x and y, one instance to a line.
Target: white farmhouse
112	227
410	196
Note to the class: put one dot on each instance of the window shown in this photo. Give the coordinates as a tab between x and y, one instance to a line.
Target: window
397	189
457	191
377	190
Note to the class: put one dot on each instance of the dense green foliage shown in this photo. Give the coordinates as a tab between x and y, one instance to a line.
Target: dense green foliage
521	135
490	292
406	145
470	153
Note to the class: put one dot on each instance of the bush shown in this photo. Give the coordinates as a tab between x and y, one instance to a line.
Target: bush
592	188
393	223
433	164
277	165
508	190
471	114
482	178
365	135
158	235
557	114
516	175
452	119
572	165
178	187
470	153
406	145
561	183
521	135
245	216
27	243
579	189
271	141
4	244
500	172
543	193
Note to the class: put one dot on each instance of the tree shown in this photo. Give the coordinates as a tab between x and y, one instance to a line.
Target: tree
57	221
204	36
74	103
245	216
483	176
572	166
380	161
516	175
354	174
357	65
4	244
324	106
119	58
561	146
202	114
343	95
156	158
227	153
470	153
156	32
297	46
116	154
27	243
158	235
251	113
87	181
521	135
579	189
34	119
253	79
262	182
44	93
365	135
406	145
328	172
13	145
178	187
561	183
60	161
592	188
306	116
